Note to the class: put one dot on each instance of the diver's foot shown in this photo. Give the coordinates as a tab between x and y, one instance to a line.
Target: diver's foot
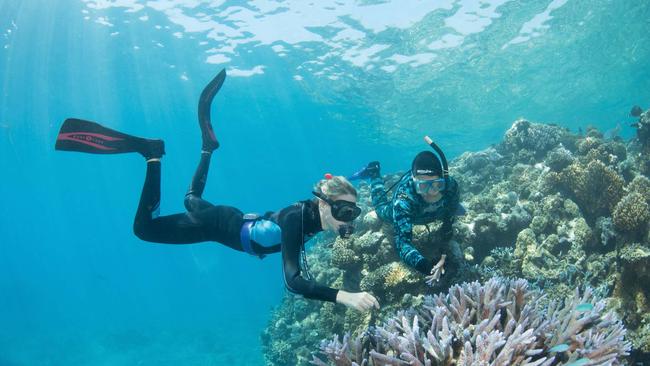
210	142
209	145
153	149
370	171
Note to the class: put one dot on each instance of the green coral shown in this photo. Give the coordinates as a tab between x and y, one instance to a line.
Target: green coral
610	153
643	140
571	208
539	224
601	271
389	279
641	185
343	256
587	144
523	179
533	257
530	140
632	214
596	187
641	337
636	254
633	293
576	231
559	158
551	183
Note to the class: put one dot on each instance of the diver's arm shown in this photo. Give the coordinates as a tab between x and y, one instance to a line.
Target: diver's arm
452	201
452	197
378	193
404	235
291	244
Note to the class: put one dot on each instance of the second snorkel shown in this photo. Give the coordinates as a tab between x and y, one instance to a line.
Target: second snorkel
443	159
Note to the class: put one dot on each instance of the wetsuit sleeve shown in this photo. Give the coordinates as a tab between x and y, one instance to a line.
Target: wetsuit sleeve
402	206
453	201
377	192
291	243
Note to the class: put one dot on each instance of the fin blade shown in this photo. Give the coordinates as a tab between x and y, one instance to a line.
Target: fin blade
90	137
205	102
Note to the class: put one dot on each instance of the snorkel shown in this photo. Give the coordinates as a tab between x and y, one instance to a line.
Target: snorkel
443	159
346	230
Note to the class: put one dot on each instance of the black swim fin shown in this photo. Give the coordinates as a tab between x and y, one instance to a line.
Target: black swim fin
90	137
210	142
369	171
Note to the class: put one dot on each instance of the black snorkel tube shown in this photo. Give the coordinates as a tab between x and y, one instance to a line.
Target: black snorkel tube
443	159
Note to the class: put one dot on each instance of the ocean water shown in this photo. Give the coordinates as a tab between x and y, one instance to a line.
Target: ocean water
313	87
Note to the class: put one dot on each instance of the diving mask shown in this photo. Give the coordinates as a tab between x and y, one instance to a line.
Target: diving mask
424	186
342	210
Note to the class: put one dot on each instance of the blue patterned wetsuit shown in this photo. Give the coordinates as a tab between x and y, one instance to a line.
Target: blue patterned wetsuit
408	208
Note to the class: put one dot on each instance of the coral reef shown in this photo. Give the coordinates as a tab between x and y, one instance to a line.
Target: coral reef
596	187
559	209
632	293
642	148
503	322
532	139
632	214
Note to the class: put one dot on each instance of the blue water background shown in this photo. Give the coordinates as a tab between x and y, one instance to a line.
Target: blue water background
77	287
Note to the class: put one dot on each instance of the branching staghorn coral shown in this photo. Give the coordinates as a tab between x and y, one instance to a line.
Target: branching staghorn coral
503	322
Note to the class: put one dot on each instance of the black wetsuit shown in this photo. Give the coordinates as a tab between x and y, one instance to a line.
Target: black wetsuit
204	221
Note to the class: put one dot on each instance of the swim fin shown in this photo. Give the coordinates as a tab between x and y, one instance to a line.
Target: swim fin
369	171
210	142
90	137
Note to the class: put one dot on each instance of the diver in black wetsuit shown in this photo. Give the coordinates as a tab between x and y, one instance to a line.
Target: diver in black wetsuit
286	231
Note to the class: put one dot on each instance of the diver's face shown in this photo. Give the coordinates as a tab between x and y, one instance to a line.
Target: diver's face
431	195
327	220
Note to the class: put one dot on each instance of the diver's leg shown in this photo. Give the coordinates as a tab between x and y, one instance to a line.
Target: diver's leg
380	201
193	200
171	229
377	192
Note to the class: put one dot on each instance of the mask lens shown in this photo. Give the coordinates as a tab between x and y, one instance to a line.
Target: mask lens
345	211
424	186
438	184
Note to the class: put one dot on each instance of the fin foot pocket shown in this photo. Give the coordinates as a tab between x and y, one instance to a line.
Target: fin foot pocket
154	149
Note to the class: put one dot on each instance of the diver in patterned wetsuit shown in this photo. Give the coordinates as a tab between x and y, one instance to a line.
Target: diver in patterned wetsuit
422	196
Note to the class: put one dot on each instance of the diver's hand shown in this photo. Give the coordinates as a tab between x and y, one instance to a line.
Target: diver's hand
437	271
360	301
